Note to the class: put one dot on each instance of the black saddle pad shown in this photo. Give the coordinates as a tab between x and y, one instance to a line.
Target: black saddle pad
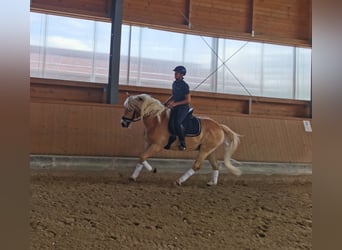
191	124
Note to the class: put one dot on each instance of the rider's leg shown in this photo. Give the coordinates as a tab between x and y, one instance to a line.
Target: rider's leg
172	129
172	138
181	113
180	132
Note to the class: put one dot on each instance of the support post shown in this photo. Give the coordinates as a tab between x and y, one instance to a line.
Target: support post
114	59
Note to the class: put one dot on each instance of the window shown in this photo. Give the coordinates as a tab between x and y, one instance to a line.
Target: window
69	49
81	52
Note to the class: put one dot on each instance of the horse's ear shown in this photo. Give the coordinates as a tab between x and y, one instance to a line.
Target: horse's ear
127	93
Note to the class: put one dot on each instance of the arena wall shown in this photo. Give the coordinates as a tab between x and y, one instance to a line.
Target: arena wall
77	123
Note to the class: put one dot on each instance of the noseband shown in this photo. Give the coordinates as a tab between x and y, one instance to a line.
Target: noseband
132	119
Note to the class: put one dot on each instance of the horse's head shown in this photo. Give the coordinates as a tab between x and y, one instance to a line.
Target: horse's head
131	113
140	106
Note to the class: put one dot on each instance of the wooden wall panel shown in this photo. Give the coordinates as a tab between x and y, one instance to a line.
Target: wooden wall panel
61	90
95	130
226	104
281	108
283	19
155	12
204	102
274	21
277	140
221	16
94	9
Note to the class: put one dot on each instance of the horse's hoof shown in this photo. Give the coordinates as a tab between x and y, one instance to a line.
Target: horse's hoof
210	183
132	179
177	184
154	170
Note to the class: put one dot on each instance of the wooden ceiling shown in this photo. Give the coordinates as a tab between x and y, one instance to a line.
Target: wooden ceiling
273	21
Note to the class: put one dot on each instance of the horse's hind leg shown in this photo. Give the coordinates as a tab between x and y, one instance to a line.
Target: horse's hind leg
214	164
202	155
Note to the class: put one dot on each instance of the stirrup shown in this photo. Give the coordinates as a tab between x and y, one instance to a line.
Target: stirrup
182	146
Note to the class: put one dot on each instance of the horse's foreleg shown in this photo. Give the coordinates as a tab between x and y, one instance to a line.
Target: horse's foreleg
140	167
152	149
147	166
214	175
136	172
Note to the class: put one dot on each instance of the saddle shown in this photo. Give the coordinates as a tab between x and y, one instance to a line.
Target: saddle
191	124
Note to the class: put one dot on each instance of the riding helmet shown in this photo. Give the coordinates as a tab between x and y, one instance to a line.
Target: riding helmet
180	69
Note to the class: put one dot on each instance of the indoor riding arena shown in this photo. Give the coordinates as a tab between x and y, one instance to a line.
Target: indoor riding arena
96	183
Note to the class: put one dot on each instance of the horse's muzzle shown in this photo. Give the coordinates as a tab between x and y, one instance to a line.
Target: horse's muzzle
125	123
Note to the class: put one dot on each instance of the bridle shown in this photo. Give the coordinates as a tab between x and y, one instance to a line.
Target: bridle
132	119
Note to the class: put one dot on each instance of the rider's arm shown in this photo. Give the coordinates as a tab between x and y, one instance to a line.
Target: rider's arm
168	100
187	100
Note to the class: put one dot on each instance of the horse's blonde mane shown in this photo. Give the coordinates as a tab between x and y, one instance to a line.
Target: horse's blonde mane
145	105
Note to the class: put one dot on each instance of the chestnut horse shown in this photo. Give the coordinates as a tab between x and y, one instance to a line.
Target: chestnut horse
155	117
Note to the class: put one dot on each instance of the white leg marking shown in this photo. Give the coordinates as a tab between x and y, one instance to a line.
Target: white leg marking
185	176
147	166
137	171
214	177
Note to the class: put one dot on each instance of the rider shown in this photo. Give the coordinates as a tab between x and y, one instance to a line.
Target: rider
179	102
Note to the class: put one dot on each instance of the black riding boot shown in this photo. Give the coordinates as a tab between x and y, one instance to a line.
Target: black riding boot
172	138
182	145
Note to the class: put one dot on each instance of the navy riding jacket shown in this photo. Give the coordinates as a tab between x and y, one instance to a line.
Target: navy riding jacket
179	90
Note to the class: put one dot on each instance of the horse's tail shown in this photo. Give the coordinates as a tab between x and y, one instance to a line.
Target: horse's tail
231	143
